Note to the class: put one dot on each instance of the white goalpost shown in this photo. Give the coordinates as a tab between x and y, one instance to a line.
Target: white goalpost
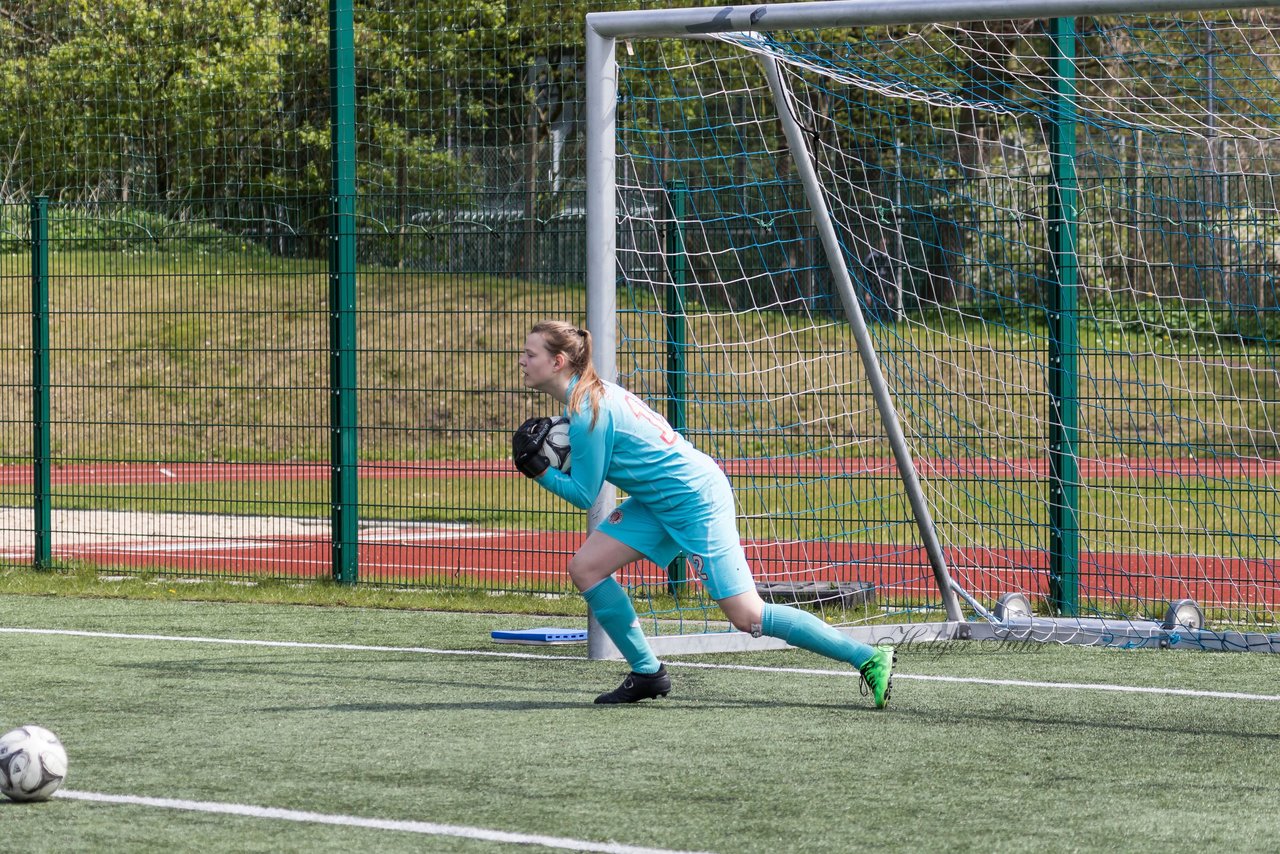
980	318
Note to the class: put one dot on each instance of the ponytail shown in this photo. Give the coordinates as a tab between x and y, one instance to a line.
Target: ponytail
575	345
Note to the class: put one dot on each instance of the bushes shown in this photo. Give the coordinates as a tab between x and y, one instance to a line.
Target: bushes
118	229
1177	320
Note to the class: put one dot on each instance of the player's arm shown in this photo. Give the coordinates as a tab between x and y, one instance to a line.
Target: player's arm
591	448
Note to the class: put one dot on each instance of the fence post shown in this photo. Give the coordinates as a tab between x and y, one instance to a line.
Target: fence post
343	420
1064	479
677	372
42	474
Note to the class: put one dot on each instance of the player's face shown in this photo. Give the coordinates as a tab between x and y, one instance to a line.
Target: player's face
541	369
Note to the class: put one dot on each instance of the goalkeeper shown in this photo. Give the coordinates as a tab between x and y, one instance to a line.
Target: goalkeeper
679	501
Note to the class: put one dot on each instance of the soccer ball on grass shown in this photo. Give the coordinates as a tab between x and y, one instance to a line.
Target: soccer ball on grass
33	763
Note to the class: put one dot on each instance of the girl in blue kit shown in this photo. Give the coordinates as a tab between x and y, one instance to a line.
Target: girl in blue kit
679	501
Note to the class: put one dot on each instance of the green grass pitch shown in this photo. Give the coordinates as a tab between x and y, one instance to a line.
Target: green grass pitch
738	759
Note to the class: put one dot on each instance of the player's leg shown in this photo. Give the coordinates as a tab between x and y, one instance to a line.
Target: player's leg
592	570
727	576
749	613
609	548
711	540
713	546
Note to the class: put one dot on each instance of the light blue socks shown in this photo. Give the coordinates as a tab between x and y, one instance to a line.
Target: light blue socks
613	609
802	629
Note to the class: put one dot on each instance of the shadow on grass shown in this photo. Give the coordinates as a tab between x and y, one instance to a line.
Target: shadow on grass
1111	724
685	704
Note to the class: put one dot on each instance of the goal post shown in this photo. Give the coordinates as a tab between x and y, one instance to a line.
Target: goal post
944	288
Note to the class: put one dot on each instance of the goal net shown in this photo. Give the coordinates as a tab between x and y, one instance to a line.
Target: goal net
1053	243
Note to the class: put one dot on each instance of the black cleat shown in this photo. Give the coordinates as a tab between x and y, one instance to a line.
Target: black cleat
637	687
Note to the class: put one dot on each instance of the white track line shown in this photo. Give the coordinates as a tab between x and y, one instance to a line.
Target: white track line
423	827
173	546
421	650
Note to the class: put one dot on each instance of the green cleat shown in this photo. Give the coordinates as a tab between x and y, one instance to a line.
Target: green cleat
877	675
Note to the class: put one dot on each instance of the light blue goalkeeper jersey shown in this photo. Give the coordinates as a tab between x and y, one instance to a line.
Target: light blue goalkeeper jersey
636	450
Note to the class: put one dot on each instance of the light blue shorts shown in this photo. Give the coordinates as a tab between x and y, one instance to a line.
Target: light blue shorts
707	536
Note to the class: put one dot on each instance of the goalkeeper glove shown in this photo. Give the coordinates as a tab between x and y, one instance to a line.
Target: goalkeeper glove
526	447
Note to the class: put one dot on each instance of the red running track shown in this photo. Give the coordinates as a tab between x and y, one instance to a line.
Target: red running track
531	559
141	473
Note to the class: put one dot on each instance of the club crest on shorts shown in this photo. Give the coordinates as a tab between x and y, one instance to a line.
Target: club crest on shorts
615	517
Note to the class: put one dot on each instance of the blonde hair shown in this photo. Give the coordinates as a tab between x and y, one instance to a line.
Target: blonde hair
575	345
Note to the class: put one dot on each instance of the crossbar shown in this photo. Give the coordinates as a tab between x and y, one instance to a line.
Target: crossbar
683	23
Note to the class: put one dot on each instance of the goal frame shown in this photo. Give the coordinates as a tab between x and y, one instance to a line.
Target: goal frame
603	31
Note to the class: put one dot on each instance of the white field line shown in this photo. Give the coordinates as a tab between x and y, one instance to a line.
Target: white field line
1009	683
419	650
423	827
346	647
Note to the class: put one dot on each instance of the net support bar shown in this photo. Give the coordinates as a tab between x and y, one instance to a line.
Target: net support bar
866	348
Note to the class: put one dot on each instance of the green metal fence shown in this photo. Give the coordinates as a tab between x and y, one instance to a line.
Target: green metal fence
244	334
266	267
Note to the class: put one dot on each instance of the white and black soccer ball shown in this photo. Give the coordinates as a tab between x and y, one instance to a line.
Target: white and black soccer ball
33	763
556	445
